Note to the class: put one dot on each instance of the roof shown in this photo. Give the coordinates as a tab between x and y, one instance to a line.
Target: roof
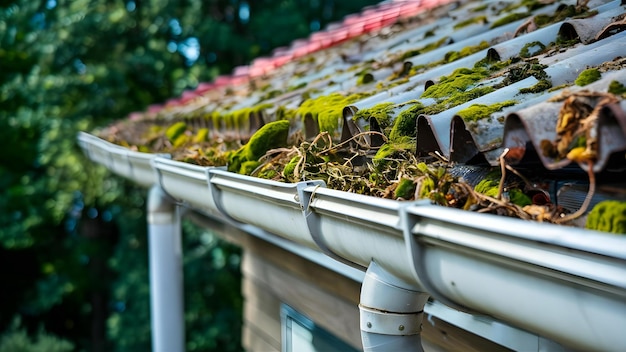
535	87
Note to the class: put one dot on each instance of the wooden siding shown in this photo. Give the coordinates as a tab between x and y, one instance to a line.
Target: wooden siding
272	275
266	285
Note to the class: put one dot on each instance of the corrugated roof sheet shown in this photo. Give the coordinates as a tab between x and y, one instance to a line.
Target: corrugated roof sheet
447	63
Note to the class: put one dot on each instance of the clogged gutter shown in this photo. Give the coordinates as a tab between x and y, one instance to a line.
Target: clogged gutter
300	131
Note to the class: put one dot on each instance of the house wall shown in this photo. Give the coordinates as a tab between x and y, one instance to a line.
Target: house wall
272	275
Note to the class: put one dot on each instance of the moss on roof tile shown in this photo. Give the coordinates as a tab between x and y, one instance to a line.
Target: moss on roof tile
477	112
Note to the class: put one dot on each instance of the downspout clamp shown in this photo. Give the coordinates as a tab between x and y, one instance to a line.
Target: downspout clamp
391	312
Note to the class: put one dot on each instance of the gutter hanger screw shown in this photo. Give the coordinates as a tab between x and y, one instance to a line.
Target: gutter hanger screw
369	325
401	327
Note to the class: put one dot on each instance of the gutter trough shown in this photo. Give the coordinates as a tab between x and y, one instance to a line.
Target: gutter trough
562	283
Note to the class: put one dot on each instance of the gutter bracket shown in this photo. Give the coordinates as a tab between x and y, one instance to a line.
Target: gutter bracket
416	255
217	198
159	178
313	223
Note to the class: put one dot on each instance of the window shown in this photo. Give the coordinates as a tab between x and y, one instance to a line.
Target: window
300	334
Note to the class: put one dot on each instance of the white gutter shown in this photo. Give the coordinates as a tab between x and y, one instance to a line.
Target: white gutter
563	283
566	283
133	165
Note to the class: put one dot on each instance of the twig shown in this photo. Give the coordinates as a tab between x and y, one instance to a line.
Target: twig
503	172
350	139
588	197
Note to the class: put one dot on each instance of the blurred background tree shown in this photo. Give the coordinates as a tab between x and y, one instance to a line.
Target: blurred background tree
72	236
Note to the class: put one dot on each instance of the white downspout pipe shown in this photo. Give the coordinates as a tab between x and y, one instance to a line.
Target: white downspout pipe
166	277
391	312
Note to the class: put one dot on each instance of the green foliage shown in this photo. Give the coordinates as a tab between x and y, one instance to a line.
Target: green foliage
212	291
16	339
405	189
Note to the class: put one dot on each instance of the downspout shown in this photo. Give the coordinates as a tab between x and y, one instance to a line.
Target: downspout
166	277
391	312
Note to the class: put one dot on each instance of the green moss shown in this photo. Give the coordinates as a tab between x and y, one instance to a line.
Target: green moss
297	86
424	49
391	148
289	169
405	189
175	131
466	51
240	118
518	197
267	174
529	4
270	94
201	136
327	110
430	33
180	141
480	8
216	119
488	187
509	18
588	76
562	13
540	86
364	78
531	49
457	81
282	113
617	88
456	89
522	71
247	167
270	136
478	19
608	216
480	111
381	112
405	123
427	187
561	86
